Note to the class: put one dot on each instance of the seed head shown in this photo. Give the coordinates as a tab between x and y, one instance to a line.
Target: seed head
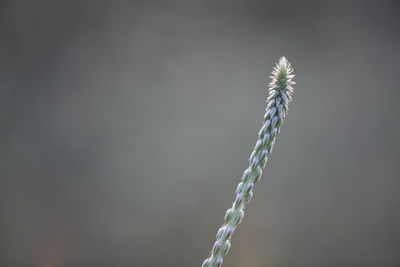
280	94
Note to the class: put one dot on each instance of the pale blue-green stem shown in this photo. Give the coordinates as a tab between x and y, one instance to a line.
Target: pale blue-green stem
280	94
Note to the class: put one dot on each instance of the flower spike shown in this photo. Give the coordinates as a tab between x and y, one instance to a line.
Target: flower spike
280	94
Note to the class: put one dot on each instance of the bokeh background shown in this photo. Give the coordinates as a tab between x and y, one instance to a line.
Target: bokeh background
125	127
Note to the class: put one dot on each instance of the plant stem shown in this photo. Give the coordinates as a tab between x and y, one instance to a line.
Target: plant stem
280	94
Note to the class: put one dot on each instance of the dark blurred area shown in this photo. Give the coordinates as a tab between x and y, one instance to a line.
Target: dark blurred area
125	127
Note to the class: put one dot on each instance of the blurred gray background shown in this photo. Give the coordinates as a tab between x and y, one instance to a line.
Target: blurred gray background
125	127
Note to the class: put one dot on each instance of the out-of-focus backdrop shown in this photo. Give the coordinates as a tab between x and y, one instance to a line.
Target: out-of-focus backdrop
125	127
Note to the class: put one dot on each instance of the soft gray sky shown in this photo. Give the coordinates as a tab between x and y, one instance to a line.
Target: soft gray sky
125	127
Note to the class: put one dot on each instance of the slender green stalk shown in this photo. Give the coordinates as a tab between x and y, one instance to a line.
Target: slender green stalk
280	94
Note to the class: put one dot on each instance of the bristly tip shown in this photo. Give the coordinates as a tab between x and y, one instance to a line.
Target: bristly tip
282	80
283	62
282	67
